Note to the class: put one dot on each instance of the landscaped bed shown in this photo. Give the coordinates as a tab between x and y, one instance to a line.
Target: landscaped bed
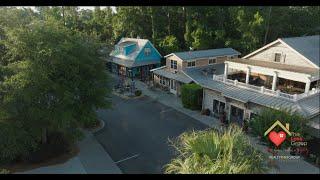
57	150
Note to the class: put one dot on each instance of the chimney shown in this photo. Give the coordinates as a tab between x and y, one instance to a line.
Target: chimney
287	126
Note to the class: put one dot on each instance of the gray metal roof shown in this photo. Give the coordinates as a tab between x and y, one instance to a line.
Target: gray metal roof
132	63
307	107
177	76
127	41
189	55
132	56
308	46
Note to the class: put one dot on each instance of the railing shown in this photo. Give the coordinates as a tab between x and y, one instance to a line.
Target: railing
263	90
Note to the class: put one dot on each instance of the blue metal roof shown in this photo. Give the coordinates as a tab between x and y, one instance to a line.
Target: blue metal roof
308	46
189	55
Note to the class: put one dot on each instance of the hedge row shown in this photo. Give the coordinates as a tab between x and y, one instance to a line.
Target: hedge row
191	96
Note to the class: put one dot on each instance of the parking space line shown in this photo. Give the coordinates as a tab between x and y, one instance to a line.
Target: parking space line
167	110
125	159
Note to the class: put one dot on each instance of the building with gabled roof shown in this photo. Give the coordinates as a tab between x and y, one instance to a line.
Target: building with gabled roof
281	75
136	56
171	76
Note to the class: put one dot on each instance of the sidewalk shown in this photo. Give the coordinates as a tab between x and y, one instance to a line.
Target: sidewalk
92	159
299	166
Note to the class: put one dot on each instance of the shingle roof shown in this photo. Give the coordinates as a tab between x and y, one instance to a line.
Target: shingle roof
189	55
308	46
307	107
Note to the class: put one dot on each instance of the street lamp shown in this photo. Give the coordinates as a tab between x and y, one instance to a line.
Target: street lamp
132	82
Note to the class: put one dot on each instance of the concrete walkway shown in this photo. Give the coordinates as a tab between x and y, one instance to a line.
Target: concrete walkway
298	166
92	159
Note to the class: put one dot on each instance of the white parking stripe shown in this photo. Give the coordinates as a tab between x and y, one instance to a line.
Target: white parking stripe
125	159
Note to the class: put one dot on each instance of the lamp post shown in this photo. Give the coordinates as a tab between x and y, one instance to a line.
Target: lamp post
132	82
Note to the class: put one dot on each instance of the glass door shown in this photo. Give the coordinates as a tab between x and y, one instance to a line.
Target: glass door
236	115
173	88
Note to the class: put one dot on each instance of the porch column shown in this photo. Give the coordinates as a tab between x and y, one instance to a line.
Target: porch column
274	81
225	71
248	75
307	87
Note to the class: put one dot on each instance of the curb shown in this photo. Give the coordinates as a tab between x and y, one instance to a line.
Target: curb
91	170
126	97
98	129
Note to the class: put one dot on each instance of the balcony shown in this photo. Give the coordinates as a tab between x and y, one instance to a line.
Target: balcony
263	90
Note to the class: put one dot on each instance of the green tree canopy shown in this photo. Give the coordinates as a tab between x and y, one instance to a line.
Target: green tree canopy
54	80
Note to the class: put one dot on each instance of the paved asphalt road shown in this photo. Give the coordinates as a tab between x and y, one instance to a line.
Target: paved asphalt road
137	132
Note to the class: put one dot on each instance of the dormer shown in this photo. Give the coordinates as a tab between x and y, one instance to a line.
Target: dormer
128	49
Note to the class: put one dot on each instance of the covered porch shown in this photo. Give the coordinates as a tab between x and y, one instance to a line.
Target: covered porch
132	69
273	76
169	81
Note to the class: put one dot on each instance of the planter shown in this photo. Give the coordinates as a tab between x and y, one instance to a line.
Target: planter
205	112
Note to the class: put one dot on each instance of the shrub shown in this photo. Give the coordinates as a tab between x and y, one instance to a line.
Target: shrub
91	123
57	145
138	92
191	96
4	171
90	120
210	152
260	123
15	142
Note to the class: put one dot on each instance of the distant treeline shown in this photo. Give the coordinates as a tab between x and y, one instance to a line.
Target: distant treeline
174	28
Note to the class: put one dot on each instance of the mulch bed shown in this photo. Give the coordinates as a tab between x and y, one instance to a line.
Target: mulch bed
25	166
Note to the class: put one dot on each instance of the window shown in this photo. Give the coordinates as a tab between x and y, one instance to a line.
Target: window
277	57
173	64
147	51
191	64
212	61
162	80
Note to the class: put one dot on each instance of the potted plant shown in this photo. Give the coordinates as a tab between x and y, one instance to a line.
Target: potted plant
205	112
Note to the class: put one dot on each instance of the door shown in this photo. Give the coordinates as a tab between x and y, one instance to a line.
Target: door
236	115
173	86
218	108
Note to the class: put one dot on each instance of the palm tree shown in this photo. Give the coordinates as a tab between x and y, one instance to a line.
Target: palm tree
211	152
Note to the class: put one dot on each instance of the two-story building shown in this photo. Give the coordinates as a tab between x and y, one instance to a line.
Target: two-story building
282	75
134	57
171	76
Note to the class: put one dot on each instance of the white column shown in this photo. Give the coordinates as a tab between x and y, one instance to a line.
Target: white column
274	81
262	89
225	71
307	87
248	75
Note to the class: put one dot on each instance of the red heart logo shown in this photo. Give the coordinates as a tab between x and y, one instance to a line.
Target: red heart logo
277	138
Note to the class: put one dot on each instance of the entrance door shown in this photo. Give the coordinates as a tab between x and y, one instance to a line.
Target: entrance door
236	115
173	86
218	108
